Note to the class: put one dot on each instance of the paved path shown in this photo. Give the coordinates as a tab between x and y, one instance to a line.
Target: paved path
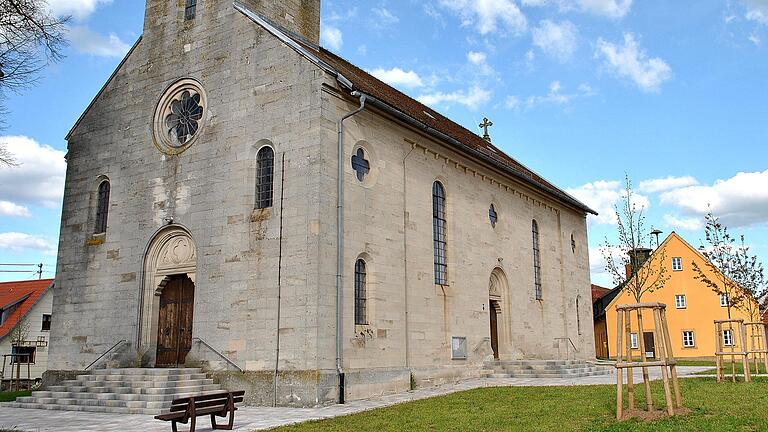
257	418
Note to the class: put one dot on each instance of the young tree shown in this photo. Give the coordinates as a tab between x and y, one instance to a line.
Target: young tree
630	270
750	277
634	241
30	38
719	270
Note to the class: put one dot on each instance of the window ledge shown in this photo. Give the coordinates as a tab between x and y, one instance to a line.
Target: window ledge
96	239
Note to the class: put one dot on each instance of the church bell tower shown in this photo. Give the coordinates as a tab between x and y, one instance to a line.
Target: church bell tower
168	17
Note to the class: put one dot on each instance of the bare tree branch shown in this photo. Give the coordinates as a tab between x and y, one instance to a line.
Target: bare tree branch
633	243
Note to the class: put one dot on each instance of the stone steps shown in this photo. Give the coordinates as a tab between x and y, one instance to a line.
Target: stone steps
545	369
122	391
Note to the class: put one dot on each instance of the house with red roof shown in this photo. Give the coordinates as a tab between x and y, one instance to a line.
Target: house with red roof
25	324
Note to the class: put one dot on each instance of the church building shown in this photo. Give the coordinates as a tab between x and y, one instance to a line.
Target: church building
241	199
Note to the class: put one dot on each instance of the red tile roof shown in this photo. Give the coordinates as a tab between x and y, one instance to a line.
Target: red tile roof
598	292
372	86
28	292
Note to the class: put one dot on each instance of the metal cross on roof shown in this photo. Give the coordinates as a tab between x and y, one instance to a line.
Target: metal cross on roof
485	125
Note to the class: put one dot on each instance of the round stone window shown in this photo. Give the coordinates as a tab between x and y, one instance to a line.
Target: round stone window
180	116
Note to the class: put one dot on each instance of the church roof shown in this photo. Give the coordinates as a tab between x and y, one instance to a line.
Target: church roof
21	295
430	120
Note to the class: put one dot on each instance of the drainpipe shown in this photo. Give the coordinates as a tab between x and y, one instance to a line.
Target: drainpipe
340	247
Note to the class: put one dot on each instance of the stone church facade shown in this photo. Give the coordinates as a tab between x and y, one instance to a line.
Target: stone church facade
200	222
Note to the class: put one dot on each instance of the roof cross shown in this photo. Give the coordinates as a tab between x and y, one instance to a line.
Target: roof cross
485	125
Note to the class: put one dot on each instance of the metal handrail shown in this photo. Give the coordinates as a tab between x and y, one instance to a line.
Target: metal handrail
105	353
219	354
571	342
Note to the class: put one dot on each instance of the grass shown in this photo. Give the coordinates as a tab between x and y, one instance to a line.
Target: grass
727	364
713	406
11	396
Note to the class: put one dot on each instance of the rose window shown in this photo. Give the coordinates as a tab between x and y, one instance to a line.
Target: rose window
183	121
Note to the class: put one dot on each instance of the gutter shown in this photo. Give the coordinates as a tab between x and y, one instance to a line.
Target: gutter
340	247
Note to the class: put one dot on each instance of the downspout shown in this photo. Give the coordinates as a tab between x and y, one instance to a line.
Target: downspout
340	247
405	260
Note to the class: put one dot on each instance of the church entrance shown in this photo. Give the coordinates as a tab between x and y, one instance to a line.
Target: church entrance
494	329
174	330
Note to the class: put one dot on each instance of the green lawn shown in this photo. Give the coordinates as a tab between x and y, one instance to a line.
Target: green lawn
714	407
11	396
727	364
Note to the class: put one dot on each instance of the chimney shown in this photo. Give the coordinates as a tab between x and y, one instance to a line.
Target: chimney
637	257
297	16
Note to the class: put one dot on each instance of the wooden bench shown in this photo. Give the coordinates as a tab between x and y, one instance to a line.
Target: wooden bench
187	409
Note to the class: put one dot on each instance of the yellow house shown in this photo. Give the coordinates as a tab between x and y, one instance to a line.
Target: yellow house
692	306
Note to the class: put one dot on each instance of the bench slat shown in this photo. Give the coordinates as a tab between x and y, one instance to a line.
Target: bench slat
205	404
209	396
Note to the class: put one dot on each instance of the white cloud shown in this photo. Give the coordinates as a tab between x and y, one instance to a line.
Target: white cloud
512	102
607	8
631	61
8	208
476	58
755	38
684	223
89	42
602	196
39	177
398	77
757	10
555	96
384	17
80	9
472	98
489	16
666	183
480	61
559	40
18	242
331	37
740	201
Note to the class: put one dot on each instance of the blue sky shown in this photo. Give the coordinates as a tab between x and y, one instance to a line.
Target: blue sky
582	91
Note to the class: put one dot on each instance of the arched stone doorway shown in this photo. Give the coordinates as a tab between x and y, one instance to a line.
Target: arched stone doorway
498	312
167	297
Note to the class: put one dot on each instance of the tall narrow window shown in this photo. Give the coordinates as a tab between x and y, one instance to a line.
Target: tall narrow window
265	170
438	231
360	294
102	208
190	9
578	314
536	260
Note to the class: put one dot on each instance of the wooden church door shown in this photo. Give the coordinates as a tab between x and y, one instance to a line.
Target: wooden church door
494	330
174	331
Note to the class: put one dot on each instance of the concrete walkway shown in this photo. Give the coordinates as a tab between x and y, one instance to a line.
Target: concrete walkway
258	418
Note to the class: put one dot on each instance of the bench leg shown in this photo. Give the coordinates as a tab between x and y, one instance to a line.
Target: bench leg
173	426
228	426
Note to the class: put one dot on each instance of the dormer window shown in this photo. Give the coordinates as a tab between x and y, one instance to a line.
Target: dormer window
189	10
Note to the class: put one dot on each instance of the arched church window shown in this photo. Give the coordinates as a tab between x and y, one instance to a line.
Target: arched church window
265	170
493	216
536	260
102	208
438	230
190	9
360	294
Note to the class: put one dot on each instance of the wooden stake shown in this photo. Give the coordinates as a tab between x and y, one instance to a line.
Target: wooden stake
661	348
718	348
671	359
630	375
619	372
744	359
646	378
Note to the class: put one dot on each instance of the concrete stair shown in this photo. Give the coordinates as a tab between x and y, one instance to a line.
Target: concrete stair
545	369
123	391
